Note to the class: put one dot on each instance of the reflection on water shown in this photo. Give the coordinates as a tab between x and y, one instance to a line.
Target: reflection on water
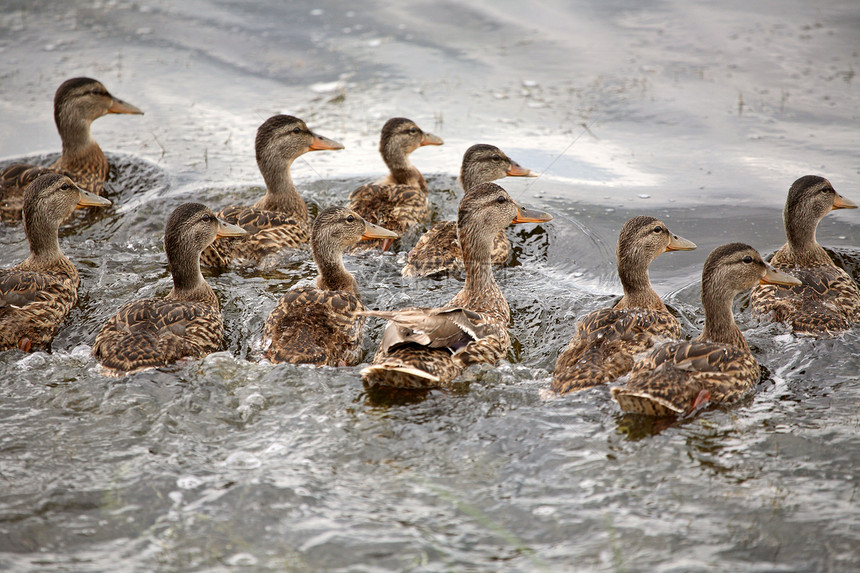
701	115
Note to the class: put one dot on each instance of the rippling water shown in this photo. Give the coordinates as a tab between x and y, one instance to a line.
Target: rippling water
700	114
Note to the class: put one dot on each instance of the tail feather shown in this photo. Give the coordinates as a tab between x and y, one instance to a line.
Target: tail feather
644	403
399	376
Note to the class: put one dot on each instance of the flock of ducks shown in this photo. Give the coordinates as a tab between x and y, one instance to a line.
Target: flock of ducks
637	338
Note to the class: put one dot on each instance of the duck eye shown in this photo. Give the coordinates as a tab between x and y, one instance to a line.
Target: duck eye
207	218
658	229
501	199
65	187
413	130
748	259
297	129
350	219
496	158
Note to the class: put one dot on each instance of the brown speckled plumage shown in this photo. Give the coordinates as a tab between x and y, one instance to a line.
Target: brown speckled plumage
427	348
718	365
37	294
438	250
828	301
607	340
279	220
186	323
77	103
320	324
399	201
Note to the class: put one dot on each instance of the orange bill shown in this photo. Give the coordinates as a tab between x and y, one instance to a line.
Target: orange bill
841	202
119	106
226	229
321	143
531	216
677	243
91	200
372	231
430	139
774	277
517	170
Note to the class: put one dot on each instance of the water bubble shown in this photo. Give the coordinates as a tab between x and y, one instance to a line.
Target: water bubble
242	560
188	482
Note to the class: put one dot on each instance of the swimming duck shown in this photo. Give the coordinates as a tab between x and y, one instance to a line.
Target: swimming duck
607	340
679	377
828	301
318	324
429	347
187	322
77	103
399	200
37	294
438	250
279	219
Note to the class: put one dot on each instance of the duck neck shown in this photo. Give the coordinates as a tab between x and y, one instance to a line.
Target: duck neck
472	177
638	292
188	281
402	170
42	236
332	274
803	248
480	293
720	326
75	134
281	194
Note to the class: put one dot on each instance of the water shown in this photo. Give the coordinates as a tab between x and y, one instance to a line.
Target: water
699	114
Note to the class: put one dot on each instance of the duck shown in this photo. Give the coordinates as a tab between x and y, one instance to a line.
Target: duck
438	250
607	340
399	200
37	294
318	324
77	103
187	323
828	301
278	220
430	347
681	377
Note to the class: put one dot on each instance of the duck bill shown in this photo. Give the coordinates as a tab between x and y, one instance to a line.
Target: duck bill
531	216
119	106
775	277
226	229
842	203
91	200
321	143
372	231
517	170
430	139
677	243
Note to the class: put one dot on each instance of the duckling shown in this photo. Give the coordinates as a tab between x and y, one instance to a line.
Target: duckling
318	324
828	301
186	323
429	347
279	219
438	250
679	377
607	340
77	103
399	200
38	293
